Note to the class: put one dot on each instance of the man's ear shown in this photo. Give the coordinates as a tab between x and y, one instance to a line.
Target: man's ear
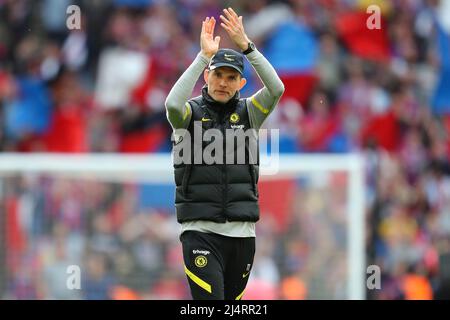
243	83
206	75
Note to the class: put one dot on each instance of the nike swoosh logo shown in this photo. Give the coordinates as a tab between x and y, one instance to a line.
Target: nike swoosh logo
205	119
228	55
245	274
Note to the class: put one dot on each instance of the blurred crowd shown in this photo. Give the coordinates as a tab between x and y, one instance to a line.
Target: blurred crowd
127	250
384	93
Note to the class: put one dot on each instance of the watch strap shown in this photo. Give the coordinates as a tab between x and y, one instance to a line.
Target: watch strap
251	48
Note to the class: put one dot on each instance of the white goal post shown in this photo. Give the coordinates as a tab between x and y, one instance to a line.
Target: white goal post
158	168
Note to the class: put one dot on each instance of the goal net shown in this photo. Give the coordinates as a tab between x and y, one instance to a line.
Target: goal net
104	227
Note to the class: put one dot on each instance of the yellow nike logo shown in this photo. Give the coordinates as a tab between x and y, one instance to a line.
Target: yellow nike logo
245	274
205	119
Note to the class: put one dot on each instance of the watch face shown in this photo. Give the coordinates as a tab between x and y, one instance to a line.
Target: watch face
251	48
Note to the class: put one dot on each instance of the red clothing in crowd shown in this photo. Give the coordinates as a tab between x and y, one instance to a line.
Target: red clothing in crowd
384	130
67	132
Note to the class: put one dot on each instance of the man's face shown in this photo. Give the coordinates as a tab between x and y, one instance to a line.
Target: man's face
223	83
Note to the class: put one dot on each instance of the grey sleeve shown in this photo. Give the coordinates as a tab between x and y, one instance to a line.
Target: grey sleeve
178	110
261	104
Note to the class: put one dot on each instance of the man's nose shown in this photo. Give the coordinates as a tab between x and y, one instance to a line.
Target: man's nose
223	83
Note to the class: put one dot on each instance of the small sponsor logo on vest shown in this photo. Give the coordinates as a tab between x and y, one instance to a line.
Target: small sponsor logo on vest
203	252
237	126
234	118
178	139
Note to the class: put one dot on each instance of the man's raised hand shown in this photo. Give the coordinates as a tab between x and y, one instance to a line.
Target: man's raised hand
208	43
232	23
